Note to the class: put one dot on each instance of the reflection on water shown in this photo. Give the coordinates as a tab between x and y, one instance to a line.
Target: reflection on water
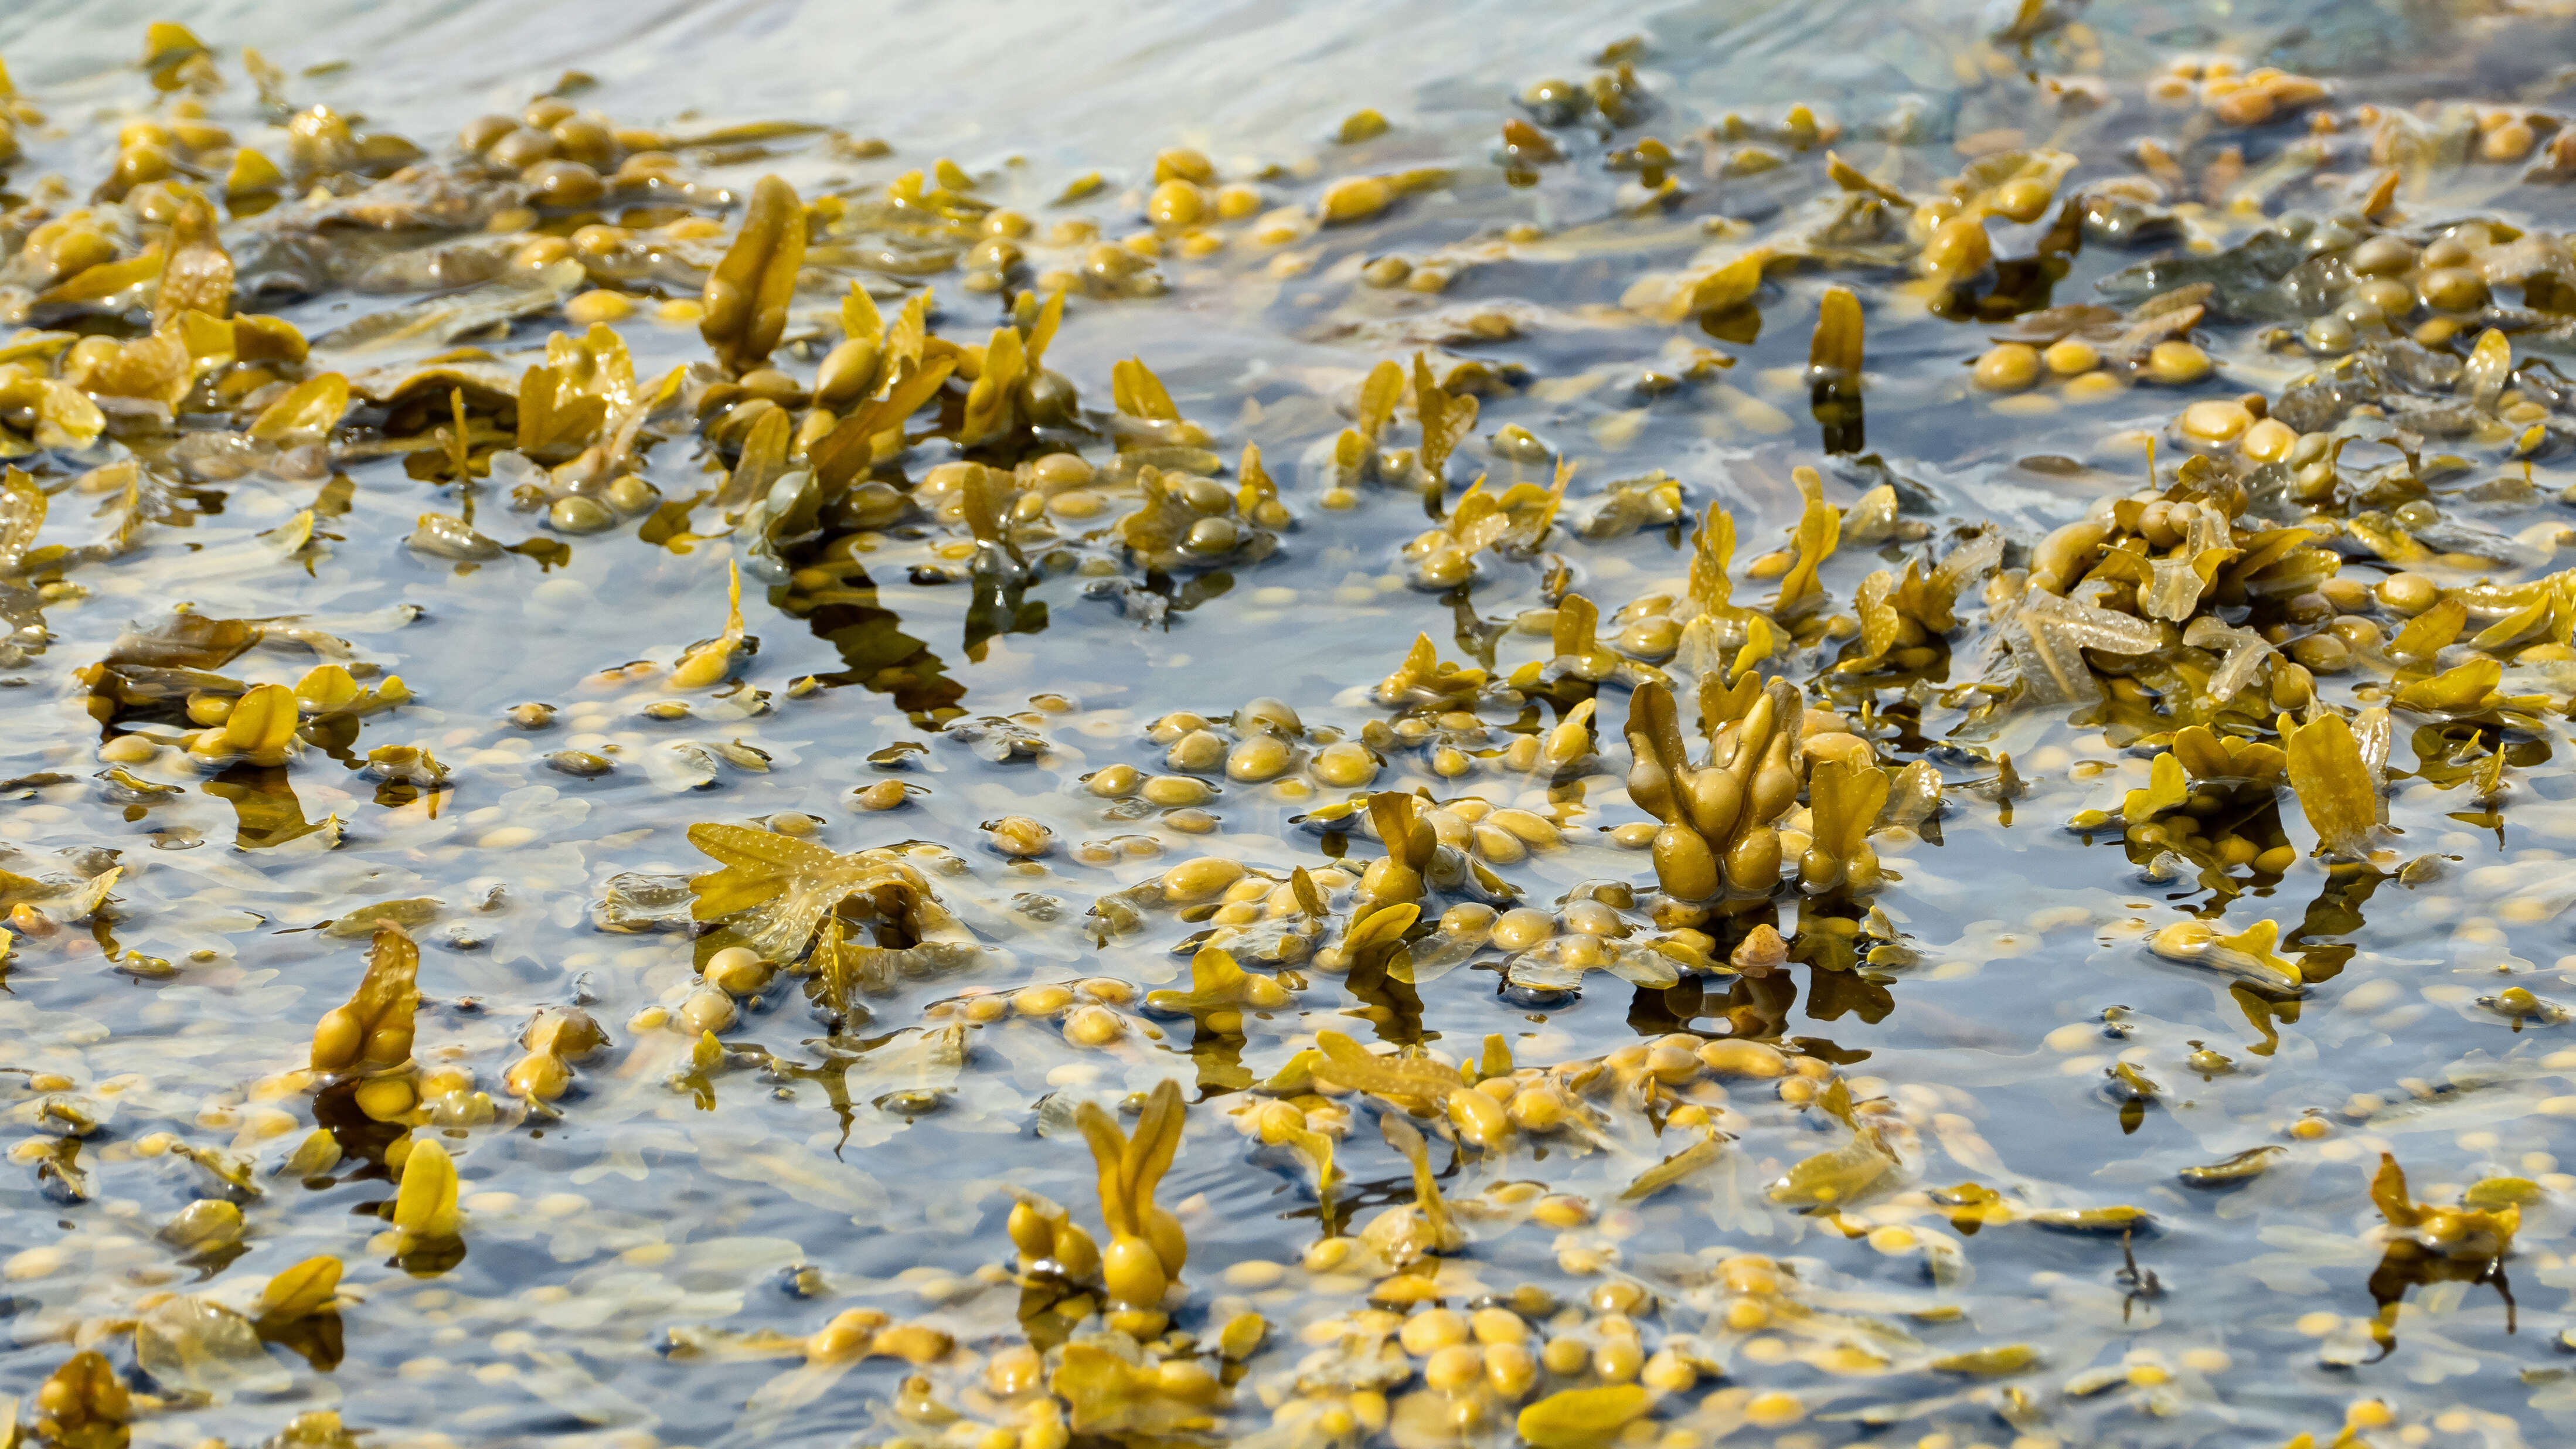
1794	725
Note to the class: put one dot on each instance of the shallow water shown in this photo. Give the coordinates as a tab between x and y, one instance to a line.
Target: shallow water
686	1242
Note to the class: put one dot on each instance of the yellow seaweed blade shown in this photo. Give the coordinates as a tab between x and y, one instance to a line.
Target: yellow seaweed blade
1109	1159
1149	1155
198	274
909	333
105	280
1760	642
1348	1063
763	460
2200	752
2010	1358
1042	332
1378	397
1378	927
747	293
860	319
848	450
1851	178
2166	790
2518	625
2464	687
1835	1177
167	40
1819	527
2388	1193
2252	952
22	514
312	408
1712	587
1836	347
1404	1138
1107	1395
2334	786
1257	486
1137	392
1880	623
1215	980
1673	1169
375	1028
989	402
425	1207
262	721
756	865
1446	419
709	662
252	174
302	1289
326	687
1846	798
1578	622
1721	287
2426	633
1310	899
1317	1149
1581	1418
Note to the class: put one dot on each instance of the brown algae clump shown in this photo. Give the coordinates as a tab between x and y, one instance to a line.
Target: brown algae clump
1365	614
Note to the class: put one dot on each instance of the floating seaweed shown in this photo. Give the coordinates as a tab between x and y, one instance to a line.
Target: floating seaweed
2209	502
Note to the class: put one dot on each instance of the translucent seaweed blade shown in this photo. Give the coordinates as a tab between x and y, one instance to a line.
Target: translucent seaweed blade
2334	787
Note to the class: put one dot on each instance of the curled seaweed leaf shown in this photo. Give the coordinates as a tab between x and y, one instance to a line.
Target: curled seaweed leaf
1819	527
1712	586
1410	844
1137	392
708	663
747	293
2429	632
1447	419
1840	1175
1444	1234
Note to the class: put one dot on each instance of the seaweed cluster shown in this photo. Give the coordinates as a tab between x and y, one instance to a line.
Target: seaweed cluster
1798	775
